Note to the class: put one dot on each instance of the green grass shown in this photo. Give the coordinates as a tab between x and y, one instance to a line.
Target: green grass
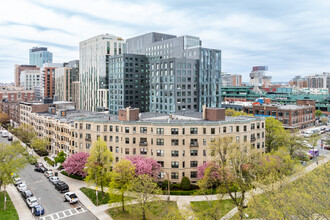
202	207
91	194
10	213
158	211
49	161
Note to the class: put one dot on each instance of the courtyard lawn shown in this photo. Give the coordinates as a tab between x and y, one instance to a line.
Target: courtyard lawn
10	213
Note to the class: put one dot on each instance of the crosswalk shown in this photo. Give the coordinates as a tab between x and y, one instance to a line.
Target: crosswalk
64	214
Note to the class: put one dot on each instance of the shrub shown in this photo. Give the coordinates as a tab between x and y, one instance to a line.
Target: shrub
165	184
185	183
175	186
49	161
31	159
73	176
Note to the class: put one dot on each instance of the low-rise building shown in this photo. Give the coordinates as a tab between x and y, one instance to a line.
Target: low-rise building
179	143
292	116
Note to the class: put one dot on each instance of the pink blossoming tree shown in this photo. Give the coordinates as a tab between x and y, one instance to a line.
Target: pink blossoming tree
75	164
214	171
144	165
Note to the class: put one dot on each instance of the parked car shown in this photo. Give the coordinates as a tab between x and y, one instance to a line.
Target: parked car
22	187
326	147
48	173
54	179
40	169
4	133
38	210
27	194
71	197
17	181
32	201
38	164
10	138
314	152
62	187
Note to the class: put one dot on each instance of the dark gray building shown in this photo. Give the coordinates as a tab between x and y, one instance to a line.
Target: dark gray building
184	76
128	82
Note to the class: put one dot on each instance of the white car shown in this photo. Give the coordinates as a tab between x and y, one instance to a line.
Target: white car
71	197
54	179
48	173
32	201
22	187
17	181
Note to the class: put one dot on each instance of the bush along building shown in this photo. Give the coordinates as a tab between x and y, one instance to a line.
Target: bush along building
178	142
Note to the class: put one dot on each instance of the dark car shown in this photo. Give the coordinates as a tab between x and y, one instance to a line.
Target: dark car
62	187
38	164
40	169
10	138
38	210
27	194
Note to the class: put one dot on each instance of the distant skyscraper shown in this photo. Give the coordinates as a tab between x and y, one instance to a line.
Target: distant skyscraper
39	55
94	72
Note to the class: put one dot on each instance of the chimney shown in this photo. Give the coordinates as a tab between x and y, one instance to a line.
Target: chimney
213	114
129	114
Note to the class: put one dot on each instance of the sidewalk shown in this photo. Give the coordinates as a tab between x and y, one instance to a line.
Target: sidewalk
23	211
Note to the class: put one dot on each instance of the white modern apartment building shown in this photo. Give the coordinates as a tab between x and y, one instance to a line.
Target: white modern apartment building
93	70
29	79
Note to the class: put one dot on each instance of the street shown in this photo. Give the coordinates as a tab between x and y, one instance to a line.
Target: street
51	200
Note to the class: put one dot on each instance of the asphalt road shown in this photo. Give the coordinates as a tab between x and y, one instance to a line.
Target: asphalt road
51	200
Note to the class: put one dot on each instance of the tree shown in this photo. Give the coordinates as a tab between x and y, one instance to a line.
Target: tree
276	135
209	175
305	198
185	183
318	113
295	144
121	176
313	139
40	144
4	118
75	164
238	160
11	161
60	158
98	165
25	133
145	190
233	113
144	165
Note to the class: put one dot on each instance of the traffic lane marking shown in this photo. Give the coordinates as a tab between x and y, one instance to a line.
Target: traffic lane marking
64	214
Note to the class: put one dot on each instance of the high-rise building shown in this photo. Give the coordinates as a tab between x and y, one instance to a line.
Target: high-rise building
40	55
20	68
258	76
128	82
64	78
231	80
93	70
30	79
183	74
47	85
318	80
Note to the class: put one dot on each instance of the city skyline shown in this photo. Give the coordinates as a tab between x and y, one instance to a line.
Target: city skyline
288	37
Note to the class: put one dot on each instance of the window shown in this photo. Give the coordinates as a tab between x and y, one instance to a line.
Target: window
258	125
117	139
245	138
193	152
193	174
174	142
231	129
193	143
88	126
143	151
175	164
126	151
110	128
175	176
143	130
117	149
161	163
88	145
204	153
193	163
237	128
245	128
105	128
117	129
204	130
193	130
98	128
134	151
237	139
126	130
160	153
252	126
204	142
175	153
160	142
183	131
105	138
160	130
126	140
212	130
174	131
224	129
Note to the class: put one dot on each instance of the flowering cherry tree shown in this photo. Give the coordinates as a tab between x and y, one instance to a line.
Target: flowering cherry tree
75	164
214	171
144	165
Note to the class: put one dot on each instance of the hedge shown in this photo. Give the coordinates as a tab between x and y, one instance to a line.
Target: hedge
49	161
74	176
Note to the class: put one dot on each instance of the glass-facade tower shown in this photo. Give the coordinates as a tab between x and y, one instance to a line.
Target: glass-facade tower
39	55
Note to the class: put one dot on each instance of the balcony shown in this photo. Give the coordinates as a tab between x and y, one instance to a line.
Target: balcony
194	144
143	143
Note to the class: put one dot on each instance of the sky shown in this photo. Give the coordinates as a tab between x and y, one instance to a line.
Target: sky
291	37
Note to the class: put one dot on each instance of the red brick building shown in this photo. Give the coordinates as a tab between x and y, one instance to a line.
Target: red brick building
20	68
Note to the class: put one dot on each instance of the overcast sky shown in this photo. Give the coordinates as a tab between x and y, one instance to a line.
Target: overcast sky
291	37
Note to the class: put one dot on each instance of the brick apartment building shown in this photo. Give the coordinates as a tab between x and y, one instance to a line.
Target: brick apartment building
298	116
